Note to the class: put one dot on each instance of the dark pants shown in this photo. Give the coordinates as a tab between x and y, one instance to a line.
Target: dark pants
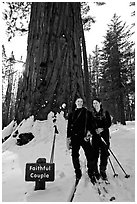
101	150
89	153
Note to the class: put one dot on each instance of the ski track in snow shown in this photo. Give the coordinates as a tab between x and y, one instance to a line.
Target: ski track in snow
15	157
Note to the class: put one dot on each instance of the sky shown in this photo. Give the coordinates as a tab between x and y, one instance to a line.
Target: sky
93	37
103	16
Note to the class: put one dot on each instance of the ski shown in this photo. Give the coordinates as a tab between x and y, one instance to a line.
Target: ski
101	188
104	184
73	191
106	181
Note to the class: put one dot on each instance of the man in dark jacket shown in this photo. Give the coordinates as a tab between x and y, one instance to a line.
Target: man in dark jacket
79	122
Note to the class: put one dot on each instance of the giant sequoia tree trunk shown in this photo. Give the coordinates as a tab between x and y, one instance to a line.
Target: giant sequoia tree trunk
86	72
53	73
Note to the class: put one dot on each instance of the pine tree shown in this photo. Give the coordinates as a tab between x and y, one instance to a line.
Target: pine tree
95	71
4	70
91	77
130	85
7	98
114	67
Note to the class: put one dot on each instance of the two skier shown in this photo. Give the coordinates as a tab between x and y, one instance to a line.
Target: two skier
87	129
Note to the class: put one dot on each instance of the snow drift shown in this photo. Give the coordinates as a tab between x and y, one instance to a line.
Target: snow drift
14	159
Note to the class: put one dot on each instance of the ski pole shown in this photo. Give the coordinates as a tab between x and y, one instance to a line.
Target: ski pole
110	161
126	175
112	167
53	146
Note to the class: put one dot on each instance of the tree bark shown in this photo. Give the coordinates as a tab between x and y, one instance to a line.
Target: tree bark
86	71
53	73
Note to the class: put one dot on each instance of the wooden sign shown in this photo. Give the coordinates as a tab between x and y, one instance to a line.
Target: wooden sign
40	172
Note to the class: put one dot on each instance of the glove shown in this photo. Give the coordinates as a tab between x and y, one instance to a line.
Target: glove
99	130
69	143
88	136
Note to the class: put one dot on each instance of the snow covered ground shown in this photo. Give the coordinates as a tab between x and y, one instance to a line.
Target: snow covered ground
14	159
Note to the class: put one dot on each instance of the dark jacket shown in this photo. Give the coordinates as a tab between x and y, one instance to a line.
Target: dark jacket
102	120
79	122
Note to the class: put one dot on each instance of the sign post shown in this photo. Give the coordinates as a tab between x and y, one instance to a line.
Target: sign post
40	172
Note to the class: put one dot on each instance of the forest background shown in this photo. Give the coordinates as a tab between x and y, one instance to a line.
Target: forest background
48	72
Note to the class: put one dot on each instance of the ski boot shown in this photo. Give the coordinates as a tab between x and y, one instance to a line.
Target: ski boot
103	175
97	175
92	178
